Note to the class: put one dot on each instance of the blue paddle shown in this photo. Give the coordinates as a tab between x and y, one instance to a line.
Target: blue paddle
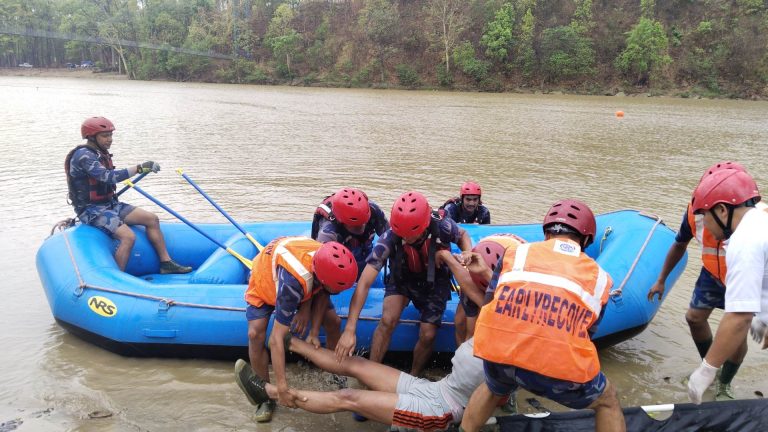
221	210
246	262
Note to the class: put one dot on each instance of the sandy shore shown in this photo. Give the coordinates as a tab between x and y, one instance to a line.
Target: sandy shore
60	72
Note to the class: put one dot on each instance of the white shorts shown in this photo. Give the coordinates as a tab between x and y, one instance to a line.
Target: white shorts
420	406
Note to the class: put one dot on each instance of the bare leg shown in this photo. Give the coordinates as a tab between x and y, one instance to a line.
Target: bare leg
423	349
698	322
257	353
375	405
374	375
471	321
332	326
608	414
479	409
390	316
460	322
127	238
154	235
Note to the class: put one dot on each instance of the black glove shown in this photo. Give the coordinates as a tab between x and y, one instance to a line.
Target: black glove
148	166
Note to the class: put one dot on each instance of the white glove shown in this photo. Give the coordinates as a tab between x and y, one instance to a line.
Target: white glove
700	380
758	330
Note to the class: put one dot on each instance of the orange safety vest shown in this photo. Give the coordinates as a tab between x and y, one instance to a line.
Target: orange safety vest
548	295
293	254
712	250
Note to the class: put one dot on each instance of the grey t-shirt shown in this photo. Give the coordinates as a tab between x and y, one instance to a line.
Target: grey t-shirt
466	375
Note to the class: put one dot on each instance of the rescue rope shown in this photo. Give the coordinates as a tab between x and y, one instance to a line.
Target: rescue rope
166	303
618	291
62	225
80	282
608	231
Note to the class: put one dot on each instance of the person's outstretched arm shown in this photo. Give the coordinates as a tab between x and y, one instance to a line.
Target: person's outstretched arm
674	255
286	396
348	339
479	409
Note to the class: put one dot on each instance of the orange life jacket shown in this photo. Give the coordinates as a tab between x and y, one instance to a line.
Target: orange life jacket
548	296
293	254
712	250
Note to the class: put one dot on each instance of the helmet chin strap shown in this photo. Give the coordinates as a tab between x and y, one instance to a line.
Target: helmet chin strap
728	226
93	139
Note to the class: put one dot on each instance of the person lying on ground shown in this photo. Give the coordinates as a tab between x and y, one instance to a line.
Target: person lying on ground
394	397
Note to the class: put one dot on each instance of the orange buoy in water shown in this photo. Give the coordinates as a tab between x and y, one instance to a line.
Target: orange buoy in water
619	114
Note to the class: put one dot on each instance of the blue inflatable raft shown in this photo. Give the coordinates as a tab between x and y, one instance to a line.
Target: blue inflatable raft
202	314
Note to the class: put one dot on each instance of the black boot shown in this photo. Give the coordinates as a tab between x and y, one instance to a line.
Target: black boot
168	267
250	383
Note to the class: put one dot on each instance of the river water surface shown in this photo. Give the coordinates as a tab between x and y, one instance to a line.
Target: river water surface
271	153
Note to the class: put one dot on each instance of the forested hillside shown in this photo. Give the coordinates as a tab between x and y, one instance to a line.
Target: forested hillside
683	47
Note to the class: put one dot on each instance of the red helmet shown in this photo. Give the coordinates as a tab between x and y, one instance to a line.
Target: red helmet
350	207
727	186
410	215
490	251
470	188
93	125
574	214
721	166
335	267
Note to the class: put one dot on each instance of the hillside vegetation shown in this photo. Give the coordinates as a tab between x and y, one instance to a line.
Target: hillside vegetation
711	48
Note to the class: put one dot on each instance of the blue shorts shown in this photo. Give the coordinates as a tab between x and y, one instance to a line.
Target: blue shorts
504	379
262	312
429	301
708	293
106	217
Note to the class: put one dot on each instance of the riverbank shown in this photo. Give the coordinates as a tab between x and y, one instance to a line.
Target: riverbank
686	92
60	73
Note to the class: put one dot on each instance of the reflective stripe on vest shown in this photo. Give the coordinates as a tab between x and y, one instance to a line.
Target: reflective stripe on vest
292	263
294	254
712	251
548	296
518	274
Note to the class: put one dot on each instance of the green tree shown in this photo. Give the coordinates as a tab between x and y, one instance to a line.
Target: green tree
645	55
582	20
281	38
566	54
379	21
447	20
465	59
647	8
526	53
498	37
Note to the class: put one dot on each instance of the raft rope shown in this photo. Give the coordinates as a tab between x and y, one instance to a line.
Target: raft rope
618	291
62	225
166	303
608	231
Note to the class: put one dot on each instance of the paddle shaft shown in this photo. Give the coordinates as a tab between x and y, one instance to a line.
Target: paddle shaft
125	188
221	210
241	258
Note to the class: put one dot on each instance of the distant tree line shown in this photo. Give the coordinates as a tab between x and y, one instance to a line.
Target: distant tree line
705	47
